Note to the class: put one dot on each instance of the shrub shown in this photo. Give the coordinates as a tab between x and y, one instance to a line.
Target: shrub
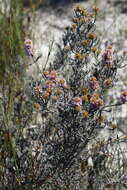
71	99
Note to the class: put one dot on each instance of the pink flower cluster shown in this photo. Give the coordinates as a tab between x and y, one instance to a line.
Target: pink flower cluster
49	84
53	86
123	97
28	47
51	75
94	83
95	102
53	79
108	55
77	101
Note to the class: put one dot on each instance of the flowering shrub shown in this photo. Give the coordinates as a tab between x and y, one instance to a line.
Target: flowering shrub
75	110
71	99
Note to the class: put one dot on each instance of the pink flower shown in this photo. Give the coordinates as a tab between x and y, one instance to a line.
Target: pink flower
123	97
52	75
108	55
94	83
49	84
28	47
95	102
77	101
62	82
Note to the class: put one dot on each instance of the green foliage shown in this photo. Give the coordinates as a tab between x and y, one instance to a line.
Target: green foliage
11	39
